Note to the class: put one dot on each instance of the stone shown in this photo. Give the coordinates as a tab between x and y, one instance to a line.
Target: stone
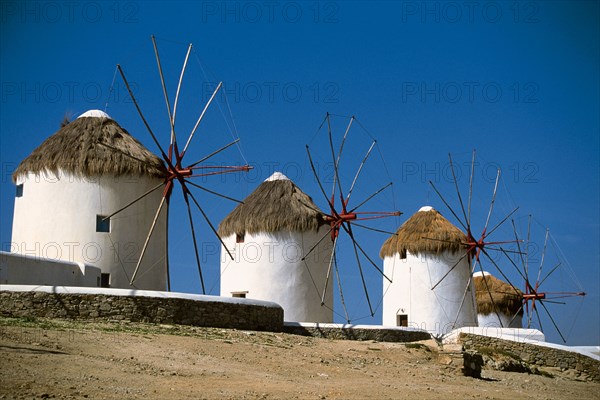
528	357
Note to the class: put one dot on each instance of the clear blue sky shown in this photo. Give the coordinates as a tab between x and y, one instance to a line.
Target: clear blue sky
518	81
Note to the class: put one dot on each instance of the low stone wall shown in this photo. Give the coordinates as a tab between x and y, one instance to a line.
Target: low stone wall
141	309
349	332
536	355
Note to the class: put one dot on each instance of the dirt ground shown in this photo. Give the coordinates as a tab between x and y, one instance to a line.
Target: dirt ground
74	360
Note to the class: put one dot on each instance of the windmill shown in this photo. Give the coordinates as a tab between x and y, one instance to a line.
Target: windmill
180	172
551	261
345	215
478	248
481	249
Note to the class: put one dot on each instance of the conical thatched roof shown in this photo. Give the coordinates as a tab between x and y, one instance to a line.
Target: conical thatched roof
427	231
504	298
276	204
76	148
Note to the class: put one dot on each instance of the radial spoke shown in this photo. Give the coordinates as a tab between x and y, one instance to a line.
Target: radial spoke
339	282
500	223
553	322
167	250
550	273
187	56
487	288
554	302
214	153
312	166
317	244
518	241
337	161
516	291
543	256
530	311
189	211
362	276
134	201
450	270
471	189
522	256
554	295
448	206
331	261
501	249
538	317
462	206
213	192
164	87
360	167
487	221
212	227
374	229
499	270
200	119
371	196
527	248
162	203
464	296
162	152
336	177
515	265
516	315
348	230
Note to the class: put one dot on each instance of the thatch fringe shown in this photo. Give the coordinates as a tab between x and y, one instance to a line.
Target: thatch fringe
424	232
76	148
504	298
274	206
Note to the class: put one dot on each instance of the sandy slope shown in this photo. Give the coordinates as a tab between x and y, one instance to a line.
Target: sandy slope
42	359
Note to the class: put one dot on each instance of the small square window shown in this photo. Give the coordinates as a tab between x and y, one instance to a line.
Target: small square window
239	238
20	190
402	320
102	223
239	294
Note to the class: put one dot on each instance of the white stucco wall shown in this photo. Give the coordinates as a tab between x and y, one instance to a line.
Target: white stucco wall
269	267
56	219
499	320
411	292
18	269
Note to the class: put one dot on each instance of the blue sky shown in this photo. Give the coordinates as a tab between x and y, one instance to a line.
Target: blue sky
518	81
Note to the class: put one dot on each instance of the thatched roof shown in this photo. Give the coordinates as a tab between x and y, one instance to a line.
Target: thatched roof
427	231
76	148
504	298
276	204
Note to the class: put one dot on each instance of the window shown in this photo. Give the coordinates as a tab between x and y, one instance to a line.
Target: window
102	223
239	238
104	280
402	320
239	294
20	190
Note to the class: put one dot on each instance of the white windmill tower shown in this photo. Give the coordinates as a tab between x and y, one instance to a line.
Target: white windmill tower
68	186
176	171
270	235
427	250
